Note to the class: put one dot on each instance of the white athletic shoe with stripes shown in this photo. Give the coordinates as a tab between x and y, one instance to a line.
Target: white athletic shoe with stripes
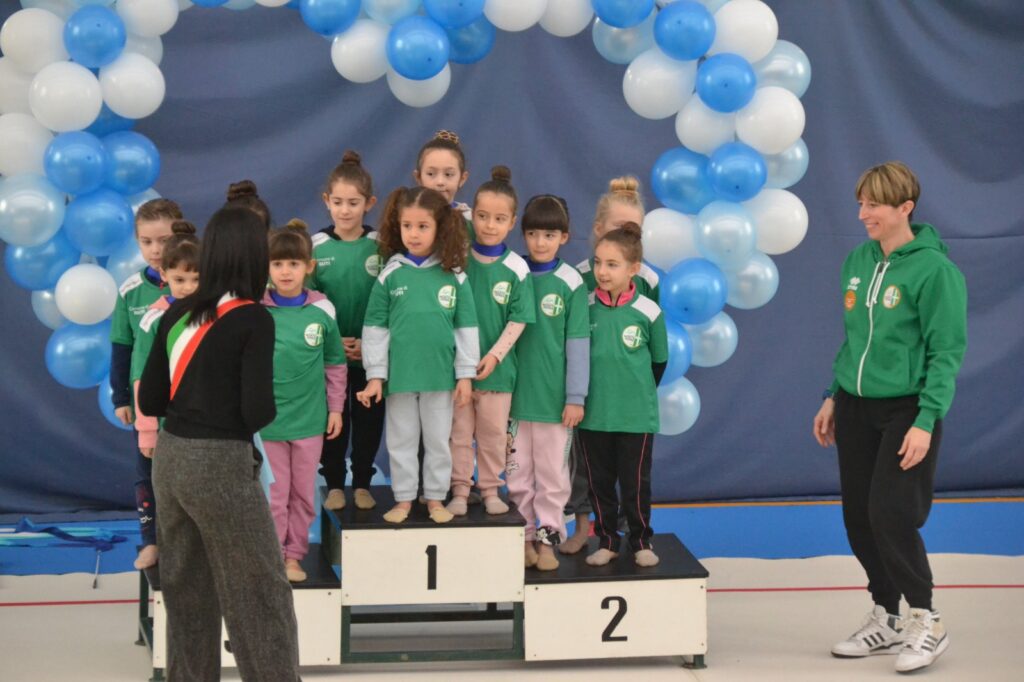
925	638
880	634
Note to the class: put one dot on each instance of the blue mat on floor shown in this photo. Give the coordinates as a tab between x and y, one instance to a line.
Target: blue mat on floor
752	531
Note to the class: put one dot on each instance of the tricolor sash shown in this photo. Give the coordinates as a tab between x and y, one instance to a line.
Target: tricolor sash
184	339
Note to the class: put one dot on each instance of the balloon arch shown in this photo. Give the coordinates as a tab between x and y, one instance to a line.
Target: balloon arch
76	74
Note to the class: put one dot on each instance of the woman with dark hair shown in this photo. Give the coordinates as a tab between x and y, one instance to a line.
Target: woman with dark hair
211	377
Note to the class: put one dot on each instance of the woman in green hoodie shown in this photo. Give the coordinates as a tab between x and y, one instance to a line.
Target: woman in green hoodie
905	319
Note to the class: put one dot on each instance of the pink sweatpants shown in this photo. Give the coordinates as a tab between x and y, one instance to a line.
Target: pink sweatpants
292	494
537	474
486	417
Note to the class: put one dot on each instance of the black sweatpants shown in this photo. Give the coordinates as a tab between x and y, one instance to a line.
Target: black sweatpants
623	458
364	426
884	506
579	496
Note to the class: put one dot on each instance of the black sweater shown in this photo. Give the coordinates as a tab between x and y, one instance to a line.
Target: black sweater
227	392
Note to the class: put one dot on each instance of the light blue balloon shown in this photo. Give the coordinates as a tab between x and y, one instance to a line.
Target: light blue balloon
788	167
680	351
132	162
75	163
678	406
714	341
44	305
454	13
472	43
694	291
754	284
98	222
622	13
105	401
78	356
94	36
726	82
736	171
31	210
125	260
137	200
329	17
684	30
108	122
39	267
679	179
725	235
418	48
623	45
390	11
786	66
239	5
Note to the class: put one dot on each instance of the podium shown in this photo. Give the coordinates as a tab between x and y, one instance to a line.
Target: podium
368	579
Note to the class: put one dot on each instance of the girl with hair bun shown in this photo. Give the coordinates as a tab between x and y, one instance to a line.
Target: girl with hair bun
441	166
503	293
347	265
628	355
244	193
309	363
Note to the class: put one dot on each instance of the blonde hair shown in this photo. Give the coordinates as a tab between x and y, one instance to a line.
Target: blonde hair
621	190
891	183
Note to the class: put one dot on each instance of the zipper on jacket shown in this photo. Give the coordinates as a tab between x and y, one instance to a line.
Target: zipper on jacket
873	288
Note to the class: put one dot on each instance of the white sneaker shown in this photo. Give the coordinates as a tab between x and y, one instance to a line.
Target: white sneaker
925	639
880	634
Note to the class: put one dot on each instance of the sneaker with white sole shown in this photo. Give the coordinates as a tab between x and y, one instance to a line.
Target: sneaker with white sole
925	638
880	634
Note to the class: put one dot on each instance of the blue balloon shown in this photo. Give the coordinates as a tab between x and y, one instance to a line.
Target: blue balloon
94	36
454	13
132	162
329	17
622	13
39	267
209	3
472	43
684	30
78	356
726	82
679	180
418	48
125	260
680	351
694	291
736	171
390	11
74	162
623	45
105	400
108	122
99	222
788	167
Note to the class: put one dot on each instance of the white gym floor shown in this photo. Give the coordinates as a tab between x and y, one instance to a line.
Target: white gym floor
757	631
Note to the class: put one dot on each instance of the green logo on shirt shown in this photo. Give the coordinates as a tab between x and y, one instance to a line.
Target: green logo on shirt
314	335
373	265
446	296
632	336
552	305
892	297
501	292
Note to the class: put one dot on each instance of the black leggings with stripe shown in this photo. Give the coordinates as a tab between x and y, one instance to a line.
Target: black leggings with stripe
625	459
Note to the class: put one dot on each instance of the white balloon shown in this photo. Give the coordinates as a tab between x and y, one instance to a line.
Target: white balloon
772	121
781	220
132	85
65	96
44	305
148	18
14	84
150	48
714	342
185	4
33	38
702	129
745	27
657	86
668	238
23	141
420	93
564	18
360	53
515	15
86	294
271	3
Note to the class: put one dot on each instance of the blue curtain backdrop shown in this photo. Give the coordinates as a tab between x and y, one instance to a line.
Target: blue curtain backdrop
936	83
